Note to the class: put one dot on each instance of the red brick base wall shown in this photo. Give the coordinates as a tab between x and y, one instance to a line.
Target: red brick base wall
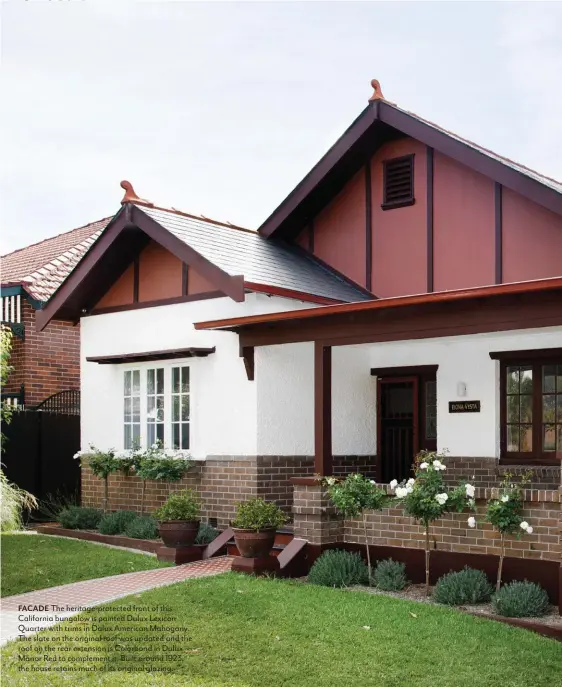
44	362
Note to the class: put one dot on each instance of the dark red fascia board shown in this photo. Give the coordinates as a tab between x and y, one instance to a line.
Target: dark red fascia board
130	216
440	140
483	292
174	353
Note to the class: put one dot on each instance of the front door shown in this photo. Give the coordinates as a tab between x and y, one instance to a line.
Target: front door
397	425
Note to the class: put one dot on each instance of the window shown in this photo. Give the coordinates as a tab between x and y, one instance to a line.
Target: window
157	407
398	182
155	402
180	407
131	417
531	409
431	410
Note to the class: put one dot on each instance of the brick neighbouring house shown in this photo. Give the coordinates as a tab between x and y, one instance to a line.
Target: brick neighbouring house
45	362
452	256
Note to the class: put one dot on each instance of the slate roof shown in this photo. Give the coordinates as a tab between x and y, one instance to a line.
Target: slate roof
527	171
42	267
264	261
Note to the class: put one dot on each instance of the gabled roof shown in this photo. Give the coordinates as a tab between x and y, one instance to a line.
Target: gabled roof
380	122
232	258
262	262
42	267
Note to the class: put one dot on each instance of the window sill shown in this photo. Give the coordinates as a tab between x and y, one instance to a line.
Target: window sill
531	460
398	204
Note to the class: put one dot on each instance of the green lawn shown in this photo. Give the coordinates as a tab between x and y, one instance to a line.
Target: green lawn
247	632
32	561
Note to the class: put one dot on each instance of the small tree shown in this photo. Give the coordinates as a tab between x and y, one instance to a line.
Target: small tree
5	369
505	514
355	495
426	498
102	464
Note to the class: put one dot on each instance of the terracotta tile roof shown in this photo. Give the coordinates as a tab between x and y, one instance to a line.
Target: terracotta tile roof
42	267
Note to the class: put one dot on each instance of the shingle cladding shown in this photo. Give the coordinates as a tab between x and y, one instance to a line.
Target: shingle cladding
260	260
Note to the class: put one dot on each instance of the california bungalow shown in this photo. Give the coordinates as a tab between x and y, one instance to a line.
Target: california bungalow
407	294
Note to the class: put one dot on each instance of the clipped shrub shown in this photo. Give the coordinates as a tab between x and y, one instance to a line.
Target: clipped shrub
144	527
206	534
115	523
521	600
337	568
258	514
181	505
79	518
468	586
390	576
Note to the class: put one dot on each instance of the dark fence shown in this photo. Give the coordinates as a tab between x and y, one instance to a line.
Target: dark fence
39	452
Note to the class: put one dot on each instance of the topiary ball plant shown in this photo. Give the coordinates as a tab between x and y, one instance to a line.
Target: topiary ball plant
468	586
390	576
142	528
78	518
521	600
115	523
337	568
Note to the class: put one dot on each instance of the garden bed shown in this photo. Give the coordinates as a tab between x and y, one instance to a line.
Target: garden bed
549	625
150	545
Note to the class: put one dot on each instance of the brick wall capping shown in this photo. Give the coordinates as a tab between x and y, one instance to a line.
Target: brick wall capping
307	481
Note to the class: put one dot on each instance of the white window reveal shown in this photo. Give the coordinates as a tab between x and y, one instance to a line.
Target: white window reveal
155	406
132	411
180	407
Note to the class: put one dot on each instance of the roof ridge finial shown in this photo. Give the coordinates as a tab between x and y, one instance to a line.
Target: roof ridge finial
377	95
131	196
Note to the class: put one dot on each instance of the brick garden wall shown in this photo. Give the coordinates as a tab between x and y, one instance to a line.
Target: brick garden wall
45	362
542	509
221	482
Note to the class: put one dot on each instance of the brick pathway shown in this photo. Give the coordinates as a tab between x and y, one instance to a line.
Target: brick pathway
94	592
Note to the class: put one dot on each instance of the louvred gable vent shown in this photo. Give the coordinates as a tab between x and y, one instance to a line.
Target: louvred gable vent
398	182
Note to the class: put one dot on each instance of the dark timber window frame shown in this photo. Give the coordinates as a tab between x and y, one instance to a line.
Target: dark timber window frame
389	168
536	360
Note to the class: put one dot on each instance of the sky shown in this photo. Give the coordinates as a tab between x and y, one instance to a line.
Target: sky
220	108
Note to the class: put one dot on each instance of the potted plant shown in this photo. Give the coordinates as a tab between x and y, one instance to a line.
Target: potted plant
255	526
179	519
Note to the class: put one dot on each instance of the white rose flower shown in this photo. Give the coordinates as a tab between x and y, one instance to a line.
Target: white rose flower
442	498
471	522
401	492
409	489
372	481
524	525
394	484
529	530
411	481
423	466
505	498
469	490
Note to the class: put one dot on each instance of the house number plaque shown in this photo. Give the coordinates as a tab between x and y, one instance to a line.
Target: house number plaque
464	406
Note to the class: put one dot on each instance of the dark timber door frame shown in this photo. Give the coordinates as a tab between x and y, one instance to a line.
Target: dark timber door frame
423	379
381	381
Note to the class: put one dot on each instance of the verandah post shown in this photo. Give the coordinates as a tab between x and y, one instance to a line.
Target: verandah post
322	409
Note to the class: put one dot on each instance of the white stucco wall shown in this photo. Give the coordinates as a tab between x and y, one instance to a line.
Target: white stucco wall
223	401
284	377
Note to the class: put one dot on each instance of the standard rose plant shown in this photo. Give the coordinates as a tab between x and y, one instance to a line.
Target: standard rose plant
426	497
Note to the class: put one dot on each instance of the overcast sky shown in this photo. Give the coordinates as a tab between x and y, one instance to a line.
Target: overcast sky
222	108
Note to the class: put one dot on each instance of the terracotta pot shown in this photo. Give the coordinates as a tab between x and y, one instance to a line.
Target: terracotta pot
252	544
176	533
